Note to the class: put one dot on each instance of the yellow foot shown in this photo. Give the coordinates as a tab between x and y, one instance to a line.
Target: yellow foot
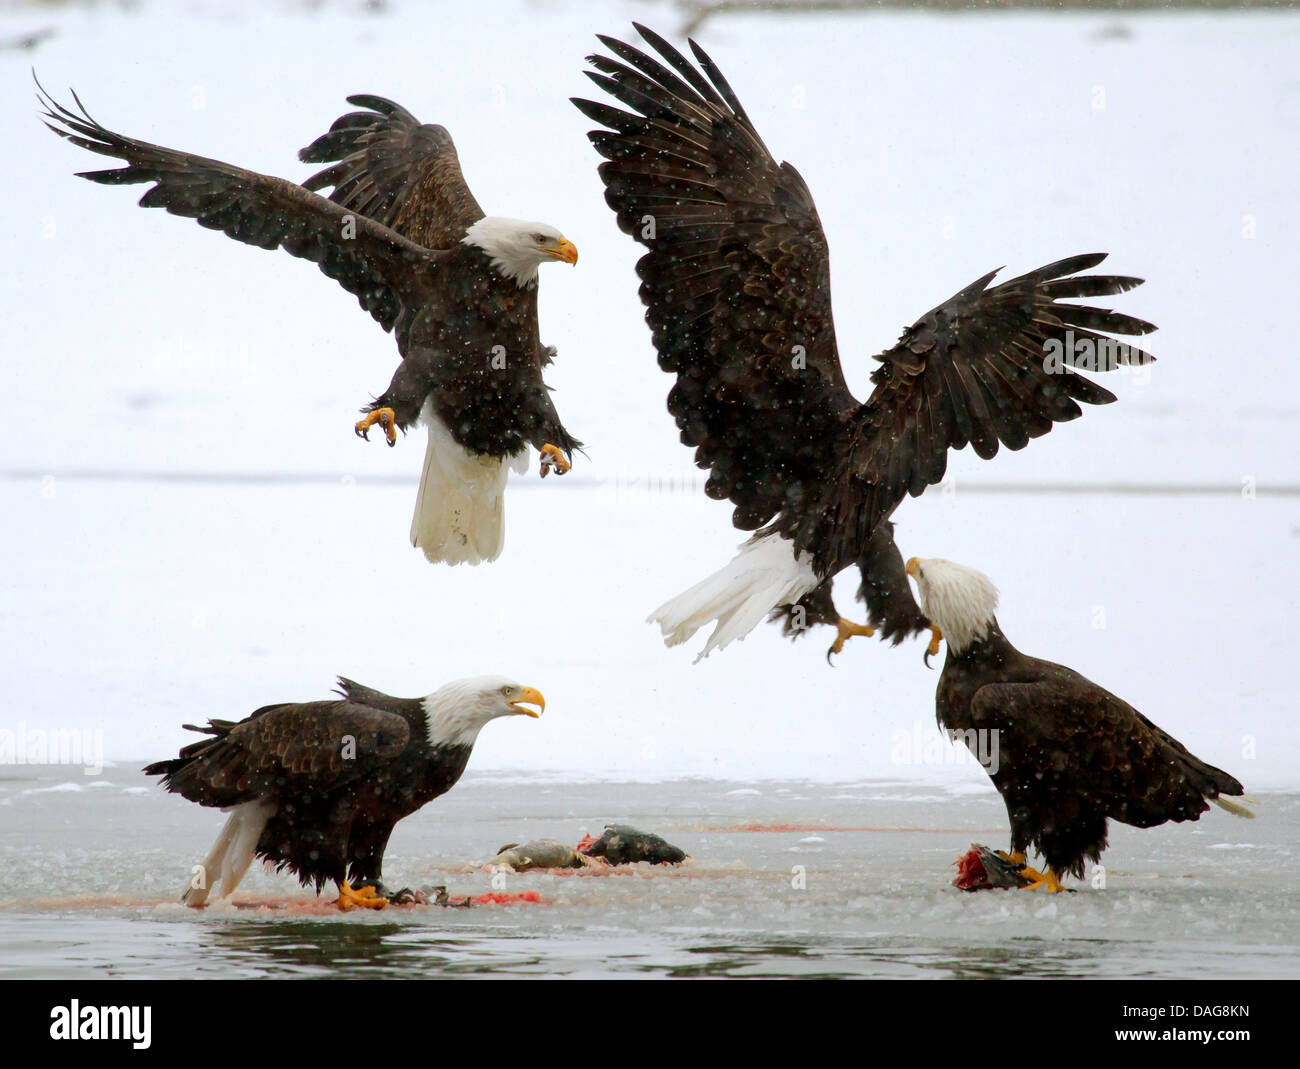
386	418
366	898
553	457
845	630
1048	883
936	636
1018	859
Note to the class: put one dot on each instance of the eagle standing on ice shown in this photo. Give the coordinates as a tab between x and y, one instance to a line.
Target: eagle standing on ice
316	787
405	236
1071	755
736	285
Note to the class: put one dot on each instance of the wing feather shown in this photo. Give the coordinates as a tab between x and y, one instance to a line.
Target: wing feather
387	165
375	264
736	284
736	279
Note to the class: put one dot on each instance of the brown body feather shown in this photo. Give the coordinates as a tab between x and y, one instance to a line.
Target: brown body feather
339	774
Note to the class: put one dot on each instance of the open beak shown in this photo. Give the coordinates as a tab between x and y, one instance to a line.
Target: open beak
566	251
531	696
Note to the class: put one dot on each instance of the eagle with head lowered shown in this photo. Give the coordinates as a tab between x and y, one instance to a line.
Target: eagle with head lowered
317	787
1071	756
736	284
402	233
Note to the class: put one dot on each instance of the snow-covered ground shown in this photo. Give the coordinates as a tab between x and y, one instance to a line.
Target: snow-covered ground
192	530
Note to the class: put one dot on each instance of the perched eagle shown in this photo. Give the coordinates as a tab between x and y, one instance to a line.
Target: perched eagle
404	235
317	787
737	289
1070	755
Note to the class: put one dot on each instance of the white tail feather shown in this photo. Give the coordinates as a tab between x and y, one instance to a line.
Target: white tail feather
231	855
1235	808
763	575
460	509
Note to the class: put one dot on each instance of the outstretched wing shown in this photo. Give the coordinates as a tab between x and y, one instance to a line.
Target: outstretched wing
989	366
375	264
288	748
737	289
387	166
1066	732
737	279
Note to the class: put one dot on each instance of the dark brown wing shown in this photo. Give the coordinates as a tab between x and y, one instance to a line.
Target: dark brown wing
285	749
736	282
375	264
737	289
1064	730
986	367
388	166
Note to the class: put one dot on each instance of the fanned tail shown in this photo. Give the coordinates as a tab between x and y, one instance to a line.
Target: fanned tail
460	509
763	575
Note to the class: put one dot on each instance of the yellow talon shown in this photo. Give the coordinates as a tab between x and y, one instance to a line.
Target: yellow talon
936	636
553	457
385	417
845	630
366	898
1047	882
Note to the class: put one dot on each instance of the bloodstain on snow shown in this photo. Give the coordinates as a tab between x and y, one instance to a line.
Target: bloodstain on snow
789	828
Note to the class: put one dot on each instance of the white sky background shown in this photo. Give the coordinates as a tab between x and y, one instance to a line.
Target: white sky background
937	148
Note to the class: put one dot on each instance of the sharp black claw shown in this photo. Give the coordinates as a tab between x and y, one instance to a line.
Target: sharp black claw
926	659
829	651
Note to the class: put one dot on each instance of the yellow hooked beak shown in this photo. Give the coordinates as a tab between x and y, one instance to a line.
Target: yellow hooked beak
531	696
914	567
566	251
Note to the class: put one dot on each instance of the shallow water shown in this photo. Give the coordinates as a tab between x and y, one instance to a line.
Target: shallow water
95	869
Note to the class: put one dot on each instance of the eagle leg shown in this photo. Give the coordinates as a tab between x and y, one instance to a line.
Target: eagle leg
845	630
365	897
936	636
553	457
385	417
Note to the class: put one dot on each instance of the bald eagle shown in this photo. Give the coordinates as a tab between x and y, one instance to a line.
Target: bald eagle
403	234
1070	755
317	787
736	285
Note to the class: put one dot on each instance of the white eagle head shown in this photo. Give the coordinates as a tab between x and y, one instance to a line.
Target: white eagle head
517	247
457	712
959	601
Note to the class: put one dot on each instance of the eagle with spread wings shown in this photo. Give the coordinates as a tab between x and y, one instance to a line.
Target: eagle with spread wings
736	284
402	233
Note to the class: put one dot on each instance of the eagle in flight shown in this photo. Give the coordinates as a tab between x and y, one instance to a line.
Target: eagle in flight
736	284
402	233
